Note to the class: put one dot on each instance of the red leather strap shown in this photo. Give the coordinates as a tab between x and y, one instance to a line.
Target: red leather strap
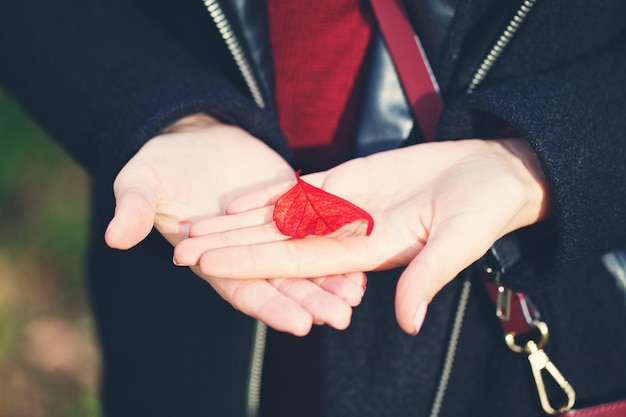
517	318
418	82
422	92
615	409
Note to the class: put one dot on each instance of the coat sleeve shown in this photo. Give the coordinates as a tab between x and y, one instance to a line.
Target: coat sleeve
103	78
574	118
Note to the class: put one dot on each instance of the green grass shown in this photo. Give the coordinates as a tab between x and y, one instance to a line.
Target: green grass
43	220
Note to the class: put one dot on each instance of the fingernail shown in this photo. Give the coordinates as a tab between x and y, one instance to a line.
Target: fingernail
420	314
176	263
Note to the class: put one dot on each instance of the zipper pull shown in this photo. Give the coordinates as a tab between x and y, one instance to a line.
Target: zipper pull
540	363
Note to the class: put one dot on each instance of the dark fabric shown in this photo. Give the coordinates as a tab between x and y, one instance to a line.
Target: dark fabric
105	76
291	375
432	20
377	369
170	345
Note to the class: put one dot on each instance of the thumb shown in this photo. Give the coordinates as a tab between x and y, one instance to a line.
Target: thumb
443	257
135	212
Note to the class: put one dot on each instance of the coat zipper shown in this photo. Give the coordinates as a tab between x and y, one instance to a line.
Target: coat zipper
255	373
480	75
234	46
500	45
260	332
253	398
452	346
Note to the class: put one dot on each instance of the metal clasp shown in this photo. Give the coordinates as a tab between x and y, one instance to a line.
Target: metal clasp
503	303
540	362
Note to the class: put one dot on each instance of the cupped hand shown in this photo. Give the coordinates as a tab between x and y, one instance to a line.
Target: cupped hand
437	207
190	172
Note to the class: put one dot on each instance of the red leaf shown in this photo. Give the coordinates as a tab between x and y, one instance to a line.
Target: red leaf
306	210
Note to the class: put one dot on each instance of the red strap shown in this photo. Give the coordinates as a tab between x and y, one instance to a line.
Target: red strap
616	409
422	92
515	312
411	63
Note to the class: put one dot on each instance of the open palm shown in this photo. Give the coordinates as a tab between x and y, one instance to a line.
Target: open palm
437	207
189	173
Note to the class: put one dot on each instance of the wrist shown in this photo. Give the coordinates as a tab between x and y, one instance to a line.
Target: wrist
525	163
192	122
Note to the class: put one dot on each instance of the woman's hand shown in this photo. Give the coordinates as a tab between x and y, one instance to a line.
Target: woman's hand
438	207
189	173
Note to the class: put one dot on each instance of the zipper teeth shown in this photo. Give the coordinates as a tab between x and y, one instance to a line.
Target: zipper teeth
256	370
228	35
499	46
452	348
253	398
479	77
260	332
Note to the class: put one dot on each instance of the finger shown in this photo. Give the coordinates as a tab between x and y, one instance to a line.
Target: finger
266	196
297	258
261	300
135	212
349	287
443	257
189	251
229	222
324	307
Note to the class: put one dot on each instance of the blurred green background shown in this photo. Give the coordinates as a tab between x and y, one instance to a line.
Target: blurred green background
48	358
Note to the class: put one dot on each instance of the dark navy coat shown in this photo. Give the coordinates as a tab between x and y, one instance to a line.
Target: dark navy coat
103	77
